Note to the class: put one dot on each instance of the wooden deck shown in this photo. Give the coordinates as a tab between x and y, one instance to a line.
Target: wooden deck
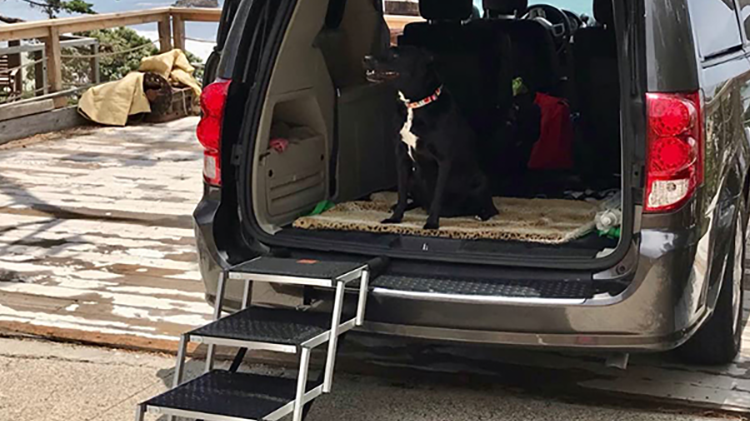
96	245
96	239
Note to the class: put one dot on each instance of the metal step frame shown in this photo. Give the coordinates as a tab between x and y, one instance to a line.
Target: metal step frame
304	349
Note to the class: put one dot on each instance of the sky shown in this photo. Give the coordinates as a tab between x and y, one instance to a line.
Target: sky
197	30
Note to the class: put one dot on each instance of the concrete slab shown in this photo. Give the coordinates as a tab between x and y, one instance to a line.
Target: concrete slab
58	382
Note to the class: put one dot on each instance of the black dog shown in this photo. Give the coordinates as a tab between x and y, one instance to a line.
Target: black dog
437	157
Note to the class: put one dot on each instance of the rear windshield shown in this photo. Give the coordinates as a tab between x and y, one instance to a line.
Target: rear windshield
579	7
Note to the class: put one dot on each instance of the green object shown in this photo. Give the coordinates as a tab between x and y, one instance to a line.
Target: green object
519	87
322	207
613	233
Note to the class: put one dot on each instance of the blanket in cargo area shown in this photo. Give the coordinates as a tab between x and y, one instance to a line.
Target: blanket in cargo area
547	221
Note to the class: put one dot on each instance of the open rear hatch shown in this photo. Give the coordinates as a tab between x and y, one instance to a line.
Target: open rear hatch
322	137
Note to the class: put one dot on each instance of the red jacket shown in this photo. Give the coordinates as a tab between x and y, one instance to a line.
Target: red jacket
554	149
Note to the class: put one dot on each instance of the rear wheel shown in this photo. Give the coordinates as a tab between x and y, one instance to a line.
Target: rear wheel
718	340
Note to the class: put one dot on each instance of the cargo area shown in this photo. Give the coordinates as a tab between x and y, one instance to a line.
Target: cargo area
542	95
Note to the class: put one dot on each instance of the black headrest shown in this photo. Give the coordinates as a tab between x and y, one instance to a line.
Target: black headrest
445	9
335	15
505	7
604	12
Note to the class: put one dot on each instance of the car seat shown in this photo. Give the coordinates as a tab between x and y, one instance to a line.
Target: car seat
598	88
468	60
533	52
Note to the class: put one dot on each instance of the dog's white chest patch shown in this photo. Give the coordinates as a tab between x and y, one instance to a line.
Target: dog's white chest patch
409	138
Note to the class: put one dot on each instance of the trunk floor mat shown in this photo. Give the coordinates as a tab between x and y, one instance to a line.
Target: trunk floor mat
545	221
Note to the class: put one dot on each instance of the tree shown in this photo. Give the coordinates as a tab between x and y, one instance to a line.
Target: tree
116	66
78	71
52	8
122	50
8	19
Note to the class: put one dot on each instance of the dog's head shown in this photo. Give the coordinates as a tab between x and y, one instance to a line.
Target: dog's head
399	63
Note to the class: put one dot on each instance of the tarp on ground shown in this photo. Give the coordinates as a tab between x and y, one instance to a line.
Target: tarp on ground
113	102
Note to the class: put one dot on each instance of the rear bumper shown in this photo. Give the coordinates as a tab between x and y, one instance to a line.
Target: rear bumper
210	262
660	309
569	341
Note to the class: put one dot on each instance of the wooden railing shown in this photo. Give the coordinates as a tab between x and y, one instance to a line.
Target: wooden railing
170	20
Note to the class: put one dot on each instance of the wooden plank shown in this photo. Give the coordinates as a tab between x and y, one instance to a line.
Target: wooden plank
109	266
40	29
97	302
151	188
40	75
33	48
100	204
11	111
57	235
197	14
14	227
88	335
182	191
54	65
35	176
113	22
83	254
35	302
165	34
101	199
52	121
14	61
19	31
95	73
178	31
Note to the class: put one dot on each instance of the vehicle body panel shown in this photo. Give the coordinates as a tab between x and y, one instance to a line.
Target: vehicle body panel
677	260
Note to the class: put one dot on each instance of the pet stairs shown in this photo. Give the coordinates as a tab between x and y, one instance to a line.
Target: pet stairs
220	395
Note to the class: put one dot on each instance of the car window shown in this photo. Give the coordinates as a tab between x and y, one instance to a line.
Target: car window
579	7
715	25
745	17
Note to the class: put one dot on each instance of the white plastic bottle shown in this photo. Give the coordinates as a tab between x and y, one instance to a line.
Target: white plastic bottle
608	219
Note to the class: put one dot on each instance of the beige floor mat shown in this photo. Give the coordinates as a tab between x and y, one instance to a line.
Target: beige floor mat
548	221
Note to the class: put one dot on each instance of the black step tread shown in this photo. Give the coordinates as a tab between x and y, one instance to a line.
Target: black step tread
298	268
268	325
549	289
241	395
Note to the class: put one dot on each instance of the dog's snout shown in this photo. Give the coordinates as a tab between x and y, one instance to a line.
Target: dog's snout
369	60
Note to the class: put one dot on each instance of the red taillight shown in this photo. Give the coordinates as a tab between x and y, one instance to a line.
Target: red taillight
213	101
674	167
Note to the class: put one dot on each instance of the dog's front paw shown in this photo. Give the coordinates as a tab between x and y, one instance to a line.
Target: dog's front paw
432	225
392	220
